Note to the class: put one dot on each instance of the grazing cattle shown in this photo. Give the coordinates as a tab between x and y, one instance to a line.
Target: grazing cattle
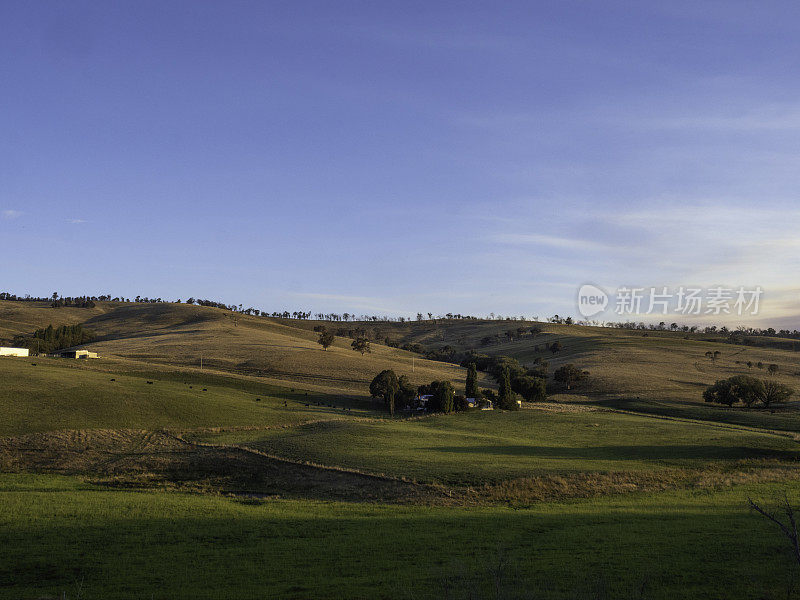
150	382
112	379
205	390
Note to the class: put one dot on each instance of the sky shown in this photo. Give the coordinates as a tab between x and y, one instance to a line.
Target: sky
390	158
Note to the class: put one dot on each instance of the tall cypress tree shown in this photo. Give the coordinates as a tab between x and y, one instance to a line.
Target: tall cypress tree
472	381
505	398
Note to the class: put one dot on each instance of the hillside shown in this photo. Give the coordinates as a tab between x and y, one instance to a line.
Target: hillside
276	440
179	335
655	371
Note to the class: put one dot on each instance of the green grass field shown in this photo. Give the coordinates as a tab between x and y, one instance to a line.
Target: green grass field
283	480
64	537
43	394
489	447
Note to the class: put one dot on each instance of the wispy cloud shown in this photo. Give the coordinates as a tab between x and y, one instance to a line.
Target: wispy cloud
553	241
768	118
76	221
12	214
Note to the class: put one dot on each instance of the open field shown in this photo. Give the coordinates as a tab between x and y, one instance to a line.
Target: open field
63	536
270	473
480	448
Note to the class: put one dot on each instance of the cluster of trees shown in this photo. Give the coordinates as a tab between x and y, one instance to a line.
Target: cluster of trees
529	383
747	390
392	389
443	398
52	338
772	369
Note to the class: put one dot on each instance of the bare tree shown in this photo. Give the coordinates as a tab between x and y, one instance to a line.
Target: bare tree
789	528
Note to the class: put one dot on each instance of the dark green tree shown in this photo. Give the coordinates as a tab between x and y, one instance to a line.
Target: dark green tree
532	389
471	390
385	385
406	392
775	392
505	395
720	393
443	397
740	388
568	375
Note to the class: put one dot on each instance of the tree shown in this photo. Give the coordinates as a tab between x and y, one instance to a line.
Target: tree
505	396
385	385
556	347
532	389
772	369
471	390
406	392
749	364
775	392
716	355
789	528
443	397
720	393
747	389
569	374
740	388
360	344
501	363
326	339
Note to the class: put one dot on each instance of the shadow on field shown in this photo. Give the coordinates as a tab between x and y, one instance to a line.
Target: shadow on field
784	417
661	452
123	545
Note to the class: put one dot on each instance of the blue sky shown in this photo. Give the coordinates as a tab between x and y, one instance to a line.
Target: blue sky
400	157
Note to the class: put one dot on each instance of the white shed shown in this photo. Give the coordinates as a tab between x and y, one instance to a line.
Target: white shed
4	351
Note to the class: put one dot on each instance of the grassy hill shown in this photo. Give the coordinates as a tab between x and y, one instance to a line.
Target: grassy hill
302	486
179	335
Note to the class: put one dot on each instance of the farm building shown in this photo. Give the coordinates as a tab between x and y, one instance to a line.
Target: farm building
14	351
77	354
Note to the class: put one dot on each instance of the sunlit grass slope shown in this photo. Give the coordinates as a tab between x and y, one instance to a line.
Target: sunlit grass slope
482	447
41	394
